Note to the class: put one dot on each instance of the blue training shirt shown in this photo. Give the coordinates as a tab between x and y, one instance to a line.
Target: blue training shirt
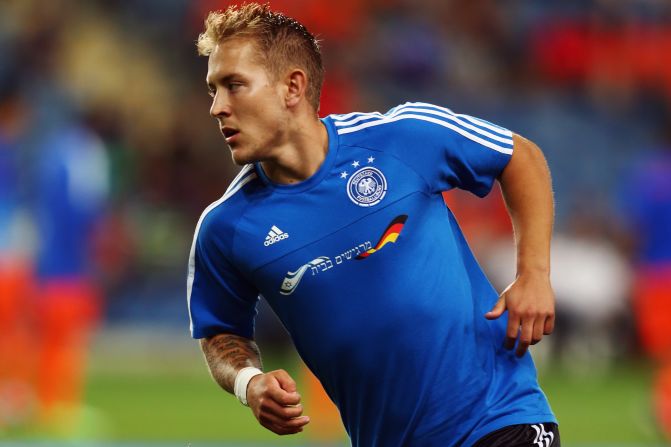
371	276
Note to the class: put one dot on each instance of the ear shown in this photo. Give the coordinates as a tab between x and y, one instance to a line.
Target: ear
296	82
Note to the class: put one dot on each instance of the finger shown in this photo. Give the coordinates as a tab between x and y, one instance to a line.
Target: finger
549	325
292	423
286	382
281	426
282	397
497	310
512	332
526	333
281	411
537	335
300	421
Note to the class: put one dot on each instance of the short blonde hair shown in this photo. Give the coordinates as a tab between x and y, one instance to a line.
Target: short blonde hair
283	42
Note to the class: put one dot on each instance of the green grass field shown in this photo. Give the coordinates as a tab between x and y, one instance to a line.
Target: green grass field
171	399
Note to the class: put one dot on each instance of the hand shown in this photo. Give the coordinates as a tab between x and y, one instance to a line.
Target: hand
530	303
275	402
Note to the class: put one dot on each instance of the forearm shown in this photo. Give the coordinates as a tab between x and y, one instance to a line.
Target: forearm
226	354
527	191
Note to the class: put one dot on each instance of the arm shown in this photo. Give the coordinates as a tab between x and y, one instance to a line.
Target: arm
527	191
271	396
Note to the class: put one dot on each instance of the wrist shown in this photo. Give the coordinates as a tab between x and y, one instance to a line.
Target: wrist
242	379
534	271
533	265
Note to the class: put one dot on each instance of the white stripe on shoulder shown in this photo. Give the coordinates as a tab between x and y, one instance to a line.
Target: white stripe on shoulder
243	172
347	116
457	129
344	120
235	188
504	136
493	127
463	124
244	178
488	125
361	117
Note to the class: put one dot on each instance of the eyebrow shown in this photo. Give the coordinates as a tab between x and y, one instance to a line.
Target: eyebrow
222	80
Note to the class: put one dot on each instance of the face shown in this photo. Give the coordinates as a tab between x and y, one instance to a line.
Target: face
247	103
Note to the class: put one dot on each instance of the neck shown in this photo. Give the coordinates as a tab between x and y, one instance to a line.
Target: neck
301	156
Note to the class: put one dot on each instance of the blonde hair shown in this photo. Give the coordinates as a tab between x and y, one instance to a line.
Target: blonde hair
283	42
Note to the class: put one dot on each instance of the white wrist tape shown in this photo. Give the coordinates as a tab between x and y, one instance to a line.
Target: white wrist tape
242	381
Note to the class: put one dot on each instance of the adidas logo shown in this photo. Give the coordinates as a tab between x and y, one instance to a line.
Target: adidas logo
275	235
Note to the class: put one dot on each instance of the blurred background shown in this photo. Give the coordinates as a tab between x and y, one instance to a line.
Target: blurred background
108	156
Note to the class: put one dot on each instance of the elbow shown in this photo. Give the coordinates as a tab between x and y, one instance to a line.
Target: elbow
527	148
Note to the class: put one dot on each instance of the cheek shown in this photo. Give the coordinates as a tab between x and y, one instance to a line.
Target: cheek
272	120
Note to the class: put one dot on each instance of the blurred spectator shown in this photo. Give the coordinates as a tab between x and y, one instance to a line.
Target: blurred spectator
71	193
17	398
646	201
646	212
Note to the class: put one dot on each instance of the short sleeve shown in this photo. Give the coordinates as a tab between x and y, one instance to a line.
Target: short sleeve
219	298
451	150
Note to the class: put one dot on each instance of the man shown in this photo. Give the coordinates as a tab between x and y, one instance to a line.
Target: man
340	224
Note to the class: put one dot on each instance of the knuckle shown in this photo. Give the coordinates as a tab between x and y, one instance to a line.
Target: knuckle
264	404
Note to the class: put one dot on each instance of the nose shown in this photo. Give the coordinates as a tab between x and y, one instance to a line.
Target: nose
220	107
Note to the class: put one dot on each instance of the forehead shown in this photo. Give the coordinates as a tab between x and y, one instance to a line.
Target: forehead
237	55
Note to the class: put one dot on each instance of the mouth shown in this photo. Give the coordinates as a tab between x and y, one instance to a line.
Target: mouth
229	134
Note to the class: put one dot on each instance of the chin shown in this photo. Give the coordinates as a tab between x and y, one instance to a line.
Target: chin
240	158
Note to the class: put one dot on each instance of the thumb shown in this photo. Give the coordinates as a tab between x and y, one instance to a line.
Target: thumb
498	309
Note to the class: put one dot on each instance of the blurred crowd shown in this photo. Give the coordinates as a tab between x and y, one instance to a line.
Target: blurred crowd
108	156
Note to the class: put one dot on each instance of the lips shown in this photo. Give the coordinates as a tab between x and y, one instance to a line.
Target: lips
229	133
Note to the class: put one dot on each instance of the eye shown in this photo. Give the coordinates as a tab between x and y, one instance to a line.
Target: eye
234	86
211	92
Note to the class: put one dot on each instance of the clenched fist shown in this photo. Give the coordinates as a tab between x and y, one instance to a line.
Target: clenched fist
275	403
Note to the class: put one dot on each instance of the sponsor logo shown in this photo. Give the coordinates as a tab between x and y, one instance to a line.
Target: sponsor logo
275	235
367	186
390	235
292	279
358	252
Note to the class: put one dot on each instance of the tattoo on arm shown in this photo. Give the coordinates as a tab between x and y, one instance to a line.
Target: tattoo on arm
226	354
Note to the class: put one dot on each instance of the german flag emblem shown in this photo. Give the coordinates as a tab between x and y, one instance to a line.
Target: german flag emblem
389	235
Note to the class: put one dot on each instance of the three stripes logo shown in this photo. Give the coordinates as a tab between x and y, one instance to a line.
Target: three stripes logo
275	235
543	438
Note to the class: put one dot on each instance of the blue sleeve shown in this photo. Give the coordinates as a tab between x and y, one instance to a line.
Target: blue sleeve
220	299
451	150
